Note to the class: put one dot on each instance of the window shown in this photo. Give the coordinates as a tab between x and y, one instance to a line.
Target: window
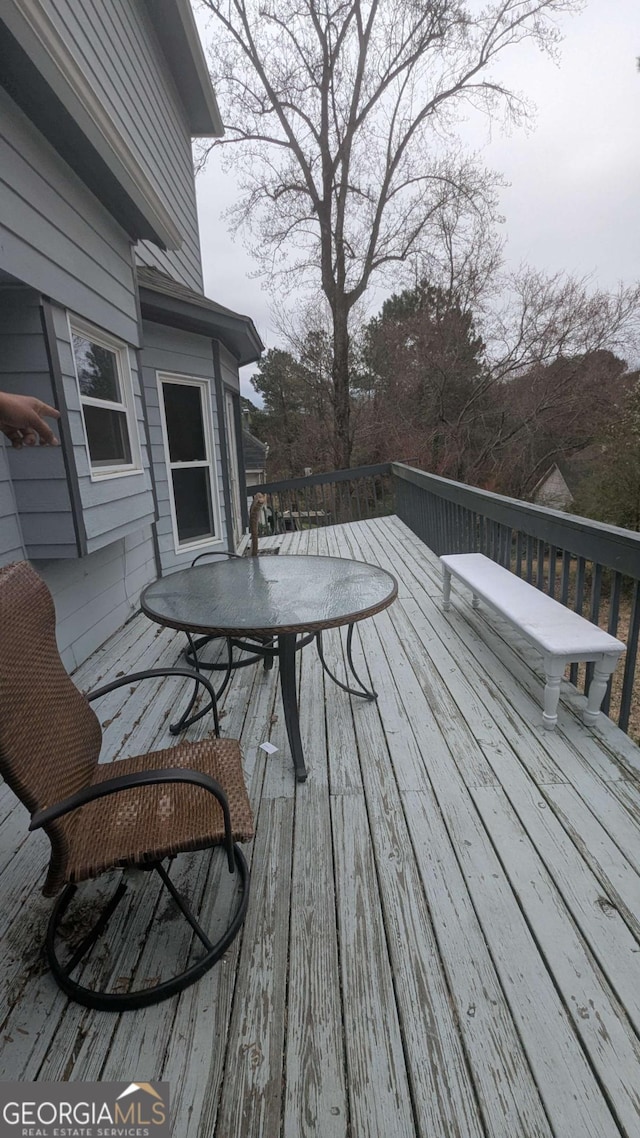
106	395
188	444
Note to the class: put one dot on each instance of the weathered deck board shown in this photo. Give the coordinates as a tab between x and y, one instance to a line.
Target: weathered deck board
316	1096
251	1095
443	937
442	1090
527	984
602	776
610	762
506	1089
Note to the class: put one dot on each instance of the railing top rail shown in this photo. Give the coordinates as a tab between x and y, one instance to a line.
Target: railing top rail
595	541
322	479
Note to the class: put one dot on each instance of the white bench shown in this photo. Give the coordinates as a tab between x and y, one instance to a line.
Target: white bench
563	637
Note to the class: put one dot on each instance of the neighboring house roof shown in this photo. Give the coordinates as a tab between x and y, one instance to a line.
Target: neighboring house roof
552	489
167	302
563	478
255	452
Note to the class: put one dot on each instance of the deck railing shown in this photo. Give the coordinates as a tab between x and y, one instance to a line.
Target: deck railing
328	499
590	567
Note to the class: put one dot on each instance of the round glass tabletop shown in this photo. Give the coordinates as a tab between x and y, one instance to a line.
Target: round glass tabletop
267	595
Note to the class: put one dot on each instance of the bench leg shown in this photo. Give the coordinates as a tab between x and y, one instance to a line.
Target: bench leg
475	601
598	686
446	589
554	671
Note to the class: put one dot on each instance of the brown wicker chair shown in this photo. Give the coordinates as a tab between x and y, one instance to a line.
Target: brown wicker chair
131	813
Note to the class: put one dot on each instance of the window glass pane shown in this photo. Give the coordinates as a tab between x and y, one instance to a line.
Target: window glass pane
192	496
107	436
185	429
97	370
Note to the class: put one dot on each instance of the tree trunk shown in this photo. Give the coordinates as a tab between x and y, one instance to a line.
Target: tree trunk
341	400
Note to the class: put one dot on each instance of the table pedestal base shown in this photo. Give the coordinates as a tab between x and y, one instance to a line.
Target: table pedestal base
287	655
287	646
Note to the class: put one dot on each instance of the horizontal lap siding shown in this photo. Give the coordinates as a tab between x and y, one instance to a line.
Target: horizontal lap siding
11	542
170	350
97	594
38	474
229	369
54	234
94	595
111	507
57	238
116	47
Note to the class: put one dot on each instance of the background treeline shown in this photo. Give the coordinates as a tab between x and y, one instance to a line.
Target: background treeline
492	402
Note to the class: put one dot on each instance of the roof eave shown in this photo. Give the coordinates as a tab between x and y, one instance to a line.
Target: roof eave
237	333
44	79
177	33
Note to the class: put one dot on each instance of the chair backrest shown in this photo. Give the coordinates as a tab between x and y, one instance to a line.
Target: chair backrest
49	736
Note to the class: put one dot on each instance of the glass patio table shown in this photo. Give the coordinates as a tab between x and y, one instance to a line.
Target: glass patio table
279	599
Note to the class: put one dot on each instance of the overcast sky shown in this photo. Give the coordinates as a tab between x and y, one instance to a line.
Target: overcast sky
573	200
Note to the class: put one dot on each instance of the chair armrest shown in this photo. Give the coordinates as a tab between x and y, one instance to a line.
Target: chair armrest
139	778
152	673
215	553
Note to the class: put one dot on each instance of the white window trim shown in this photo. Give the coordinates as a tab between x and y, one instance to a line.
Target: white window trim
121	351
210	460
235	493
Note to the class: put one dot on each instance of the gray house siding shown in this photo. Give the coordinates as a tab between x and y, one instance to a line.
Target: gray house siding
111	507
180	353
38	475
229	370
116	113
97	594
54	234
116	46
11	543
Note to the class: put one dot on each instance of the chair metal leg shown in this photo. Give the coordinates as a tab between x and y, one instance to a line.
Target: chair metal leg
117	1002
364	692
186	719
94	934
183	907
190	654
268	658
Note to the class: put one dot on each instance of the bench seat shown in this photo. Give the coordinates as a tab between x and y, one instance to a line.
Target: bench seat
562	636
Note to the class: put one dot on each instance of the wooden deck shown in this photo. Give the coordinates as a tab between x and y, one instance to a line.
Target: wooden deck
443	936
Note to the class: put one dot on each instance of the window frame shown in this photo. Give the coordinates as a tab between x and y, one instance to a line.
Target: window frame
210	461
120	349
235	492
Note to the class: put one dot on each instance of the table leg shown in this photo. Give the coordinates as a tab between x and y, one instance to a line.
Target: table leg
287	657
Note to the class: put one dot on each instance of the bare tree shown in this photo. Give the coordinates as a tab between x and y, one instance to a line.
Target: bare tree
341	118
537	341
